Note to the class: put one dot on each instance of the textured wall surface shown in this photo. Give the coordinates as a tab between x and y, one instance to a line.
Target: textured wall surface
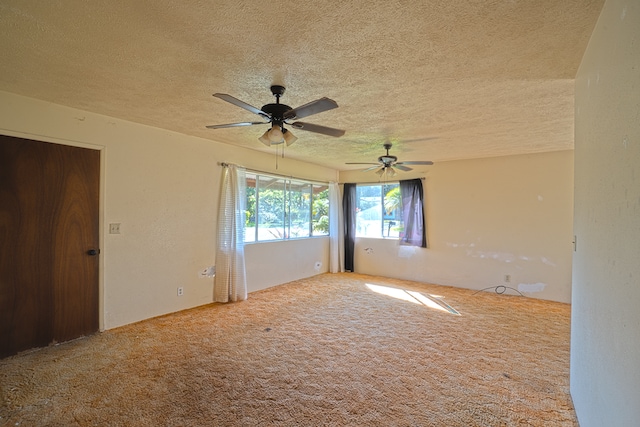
605	344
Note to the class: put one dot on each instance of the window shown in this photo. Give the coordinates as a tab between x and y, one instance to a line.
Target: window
281	208
379	210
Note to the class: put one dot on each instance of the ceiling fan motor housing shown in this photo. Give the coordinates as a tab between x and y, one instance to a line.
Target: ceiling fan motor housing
387	159
276	111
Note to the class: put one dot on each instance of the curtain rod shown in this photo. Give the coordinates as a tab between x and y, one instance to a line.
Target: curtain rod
379	182
225	164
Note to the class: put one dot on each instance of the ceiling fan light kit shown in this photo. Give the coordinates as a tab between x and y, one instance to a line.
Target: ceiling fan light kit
265	138
278	115
389	171
275	135
289	137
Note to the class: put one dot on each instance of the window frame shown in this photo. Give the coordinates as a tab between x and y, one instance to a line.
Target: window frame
384	218
290	187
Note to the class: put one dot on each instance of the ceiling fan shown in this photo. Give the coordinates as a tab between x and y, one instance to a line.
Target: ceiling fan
278	115
388	163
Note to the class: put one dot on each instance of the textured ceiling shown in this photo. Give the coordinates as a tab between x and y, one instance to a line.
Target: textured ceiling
441	79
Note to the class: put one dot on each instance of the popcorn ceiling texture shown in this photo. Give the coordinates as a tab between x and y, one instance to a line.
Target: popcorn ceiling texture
481	78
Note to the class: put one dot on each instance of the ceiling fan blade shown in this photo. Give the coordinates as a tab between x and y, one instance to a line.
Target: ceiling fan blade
415	163
372	168
427	138
242	104
358	163
401	167
318	129
232	125
313	107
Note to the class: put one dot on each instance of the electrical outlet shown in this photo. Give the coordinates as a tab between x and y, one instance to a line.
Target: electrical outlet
180	291
507	278
114	228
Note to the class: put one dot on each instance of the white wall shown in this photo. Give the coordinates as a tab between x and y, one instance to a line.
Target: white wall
605	338
163	188
274	263
487	218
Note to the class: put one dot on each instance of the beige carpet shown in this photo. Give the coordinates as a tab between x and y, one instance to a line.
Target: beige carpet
324	351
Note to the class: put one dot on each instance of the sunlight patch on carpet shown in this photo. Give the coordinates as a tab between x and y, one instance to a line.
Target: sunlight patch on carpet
432	301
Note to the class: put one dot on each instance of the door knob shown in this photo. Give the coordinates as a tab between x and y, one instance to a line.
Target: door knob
93	252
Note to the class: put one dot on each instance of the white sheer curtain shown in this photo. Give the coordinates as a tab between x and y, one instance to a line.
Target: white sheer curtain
336	240
230	281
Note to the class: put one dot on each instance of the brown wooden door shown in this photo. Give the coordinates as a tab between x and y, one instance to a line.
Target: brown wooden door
49	209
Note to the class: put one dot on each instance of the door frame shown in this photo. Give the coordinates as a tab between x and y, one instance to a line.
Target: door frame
101	240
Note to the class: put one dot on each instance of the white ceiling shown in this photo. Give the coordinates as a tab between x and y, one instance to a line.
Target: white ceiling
441	79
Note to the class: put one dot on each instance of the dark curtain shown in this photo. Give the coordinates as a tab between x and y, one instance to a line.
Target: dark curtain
413	213
349	214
